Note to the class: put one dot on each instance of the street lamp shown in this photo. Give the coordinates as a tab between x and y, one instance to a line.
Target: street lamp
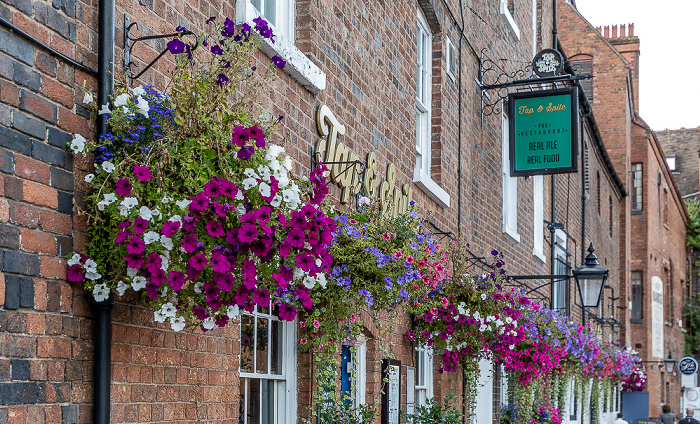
669	363
590	279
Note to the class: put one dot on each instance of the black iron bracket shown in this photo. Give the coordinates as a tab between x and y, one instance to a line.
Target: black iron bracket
130	41
495	83
440	232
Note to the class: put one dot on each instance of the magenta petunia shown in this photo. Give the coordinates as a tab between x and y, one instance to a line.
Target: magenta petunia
134	260
158	277
247	233
153	262
122	236
242	296
305	261
176	280
142	173
169	228
249	274
228	188
221	320
215	228
198	261
240	136
189	243
219	262
200	312
287	312
200	202
296	238
246	152
262	298
189	223
123	187
210	290
225	281
75	273
212	189
258	135
192	273
135	246
140	225
151	291
124	224
232	236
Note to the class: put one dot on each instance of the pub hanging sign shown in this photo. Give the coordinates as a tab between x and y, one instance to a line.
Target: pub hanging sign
543	129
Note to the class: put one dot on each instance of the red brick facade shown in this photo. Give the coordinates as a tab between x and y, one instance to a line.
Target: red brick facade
368	53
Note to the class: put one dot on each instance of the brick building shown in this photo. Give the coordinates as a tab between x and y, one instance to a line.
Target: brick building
682	150
653	217
361	60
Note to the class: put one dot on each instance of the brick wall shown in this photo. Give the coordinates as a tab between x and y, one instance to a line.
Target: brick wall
685	145
367	51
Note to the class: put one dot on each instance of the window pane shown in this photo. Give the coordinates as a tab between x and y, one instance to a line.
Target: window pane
254	402
261	347
276	338
247	342
242	404
258	5
271	11
267	404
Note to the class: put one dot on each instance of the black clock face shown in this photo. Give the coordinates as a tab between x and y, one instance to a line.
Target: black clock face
687	366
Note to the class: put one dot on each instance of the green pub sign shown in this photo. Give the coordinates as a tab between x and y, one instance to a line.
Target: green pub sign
543	132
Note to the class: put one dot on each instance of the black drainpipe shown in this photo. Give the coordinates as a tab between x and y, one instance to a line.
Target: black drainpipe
103	310
583	184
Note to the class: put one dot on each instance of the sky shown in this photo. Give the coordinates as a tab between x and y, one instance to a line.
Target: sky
669	34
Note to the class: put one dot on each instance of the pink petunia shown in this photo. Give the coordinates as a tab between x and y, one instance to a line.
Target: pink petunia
386	236
123	187
122	236
247	233
134	260
142	173
303	340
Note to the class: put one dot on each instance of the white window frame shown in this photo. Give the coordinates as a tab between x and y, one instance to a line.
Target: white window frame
510	186
559	287
424	82
358	372
451	59
299	66
484	394
424	375
538	217
509	18
285	396
671	162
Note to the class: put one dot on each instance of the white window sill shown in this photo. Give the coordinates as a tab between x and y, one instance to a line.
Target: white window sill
539	254
512	232
511	21
431	188
299	67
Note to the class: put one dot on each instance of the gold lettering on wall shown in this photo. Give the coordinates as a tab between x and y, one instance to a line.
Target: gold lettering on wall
393	200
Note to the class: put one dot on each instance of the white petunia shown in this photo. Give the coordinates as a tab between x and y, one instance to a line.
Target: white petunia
121	288
129	202
166	242
309	282
100	292
93	276
249	182
166	199
276	201
122	210
87	98
168	310
138	91
321	280
175	218
150	237
75	259
183	203
265	172
287	163
509	320
273	151
104	110
110	198
142	106
108	167
156	213
138	283
198	287
239	195
265	190
77	145
177	324
121	100
282	181
208	323
240	209
159	316
89	177
250	173
298	273
90	266
165	262
363	201
146	213
233	311
483	296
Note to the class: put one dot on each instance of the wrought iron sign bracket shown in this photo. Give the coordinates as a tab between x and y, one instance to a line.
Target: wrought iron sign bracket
350	164
495	82
439	232
130	41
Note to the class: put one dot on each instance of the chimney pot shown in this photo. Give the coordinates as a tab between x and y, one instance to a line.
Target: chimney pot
614	31
630	32
606	29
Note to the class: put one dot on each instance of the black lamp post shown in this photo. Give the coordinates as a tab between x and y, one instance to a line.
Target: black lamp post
669	363
590	279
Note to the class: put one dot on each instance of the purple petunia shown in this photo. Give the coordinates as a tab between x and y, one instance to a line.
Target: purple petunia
176	46
123	187
222	79
278	61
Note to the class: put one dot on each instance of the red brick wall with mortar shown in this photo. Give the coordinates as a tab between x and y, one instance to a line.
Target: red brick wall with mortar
367	52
